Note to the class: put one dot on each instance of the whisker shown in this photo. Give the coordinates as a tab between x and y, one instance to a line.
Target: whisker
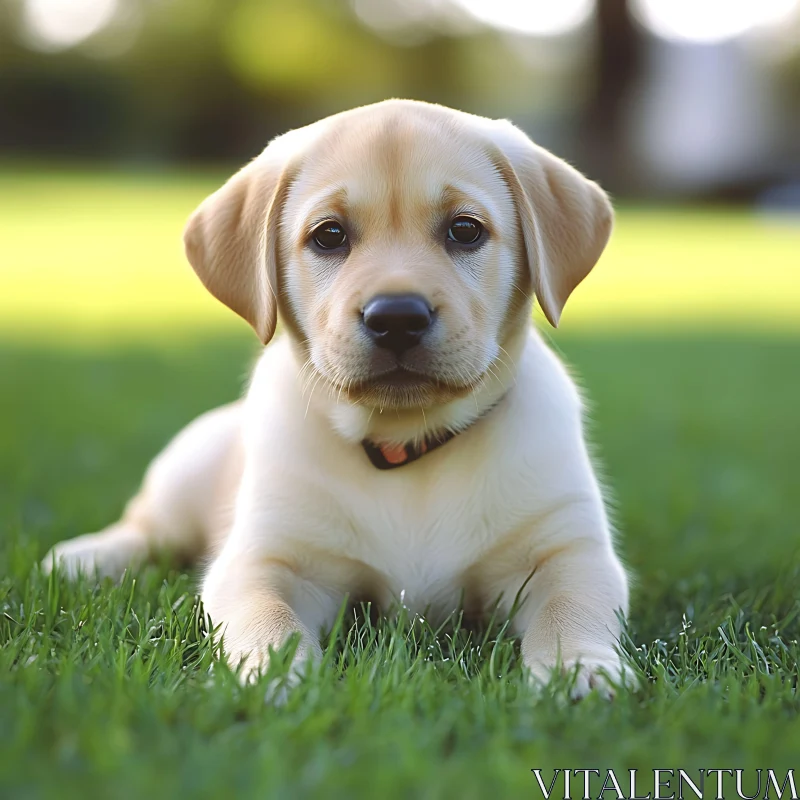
308	405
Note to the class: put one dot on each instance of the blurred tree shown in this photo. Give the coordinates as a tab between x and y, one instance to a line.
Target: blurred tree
617	69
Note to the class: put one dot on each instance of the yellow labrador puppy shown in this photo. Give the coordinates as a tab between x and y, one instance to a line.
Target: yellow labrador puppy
410	435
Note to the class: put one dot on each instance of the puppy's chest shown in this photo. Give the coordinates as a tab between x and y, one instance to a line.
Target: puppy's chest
420	545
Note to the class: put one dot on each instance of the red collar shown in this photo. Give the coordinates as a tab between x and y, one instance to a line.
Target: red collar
391	456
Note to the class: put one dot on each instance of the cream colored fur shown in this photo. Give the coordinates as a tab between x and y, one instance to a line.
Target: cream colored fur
277	489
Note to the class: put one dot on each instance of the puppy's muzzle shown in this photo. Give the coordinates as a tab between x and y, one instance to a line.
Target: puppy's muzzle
397	322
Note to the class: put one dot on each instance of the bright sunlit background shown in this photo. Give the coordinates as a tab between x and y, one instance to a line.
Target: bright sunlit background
61	24
117	116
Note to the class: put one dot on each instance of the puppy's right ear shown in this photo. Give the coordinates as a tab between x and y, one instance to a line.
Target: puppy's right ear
231	239
566	219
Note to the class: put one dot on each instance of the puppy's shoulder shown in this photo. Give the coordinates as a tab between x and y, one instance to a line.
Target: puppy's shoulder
545	394
272	391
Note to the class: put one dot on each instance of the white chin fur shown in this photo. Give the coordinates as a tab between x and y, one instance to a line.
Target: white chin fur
400	426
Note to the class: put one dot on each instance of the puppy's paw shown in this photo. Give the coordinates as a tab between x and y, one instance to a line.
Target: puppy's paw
84	555
105	554
605	675
282	669
279	688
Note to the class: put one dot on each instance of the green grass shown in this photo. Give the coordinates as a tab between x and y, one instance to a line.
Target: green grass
108	691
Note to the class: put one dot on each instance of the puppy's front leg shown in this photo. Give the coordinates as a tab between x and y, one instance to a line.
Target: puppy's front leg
570	618
259	603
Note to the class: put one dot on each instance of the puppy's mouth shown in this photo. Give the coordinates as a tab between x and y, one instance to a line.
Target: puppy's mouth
401	387
400	378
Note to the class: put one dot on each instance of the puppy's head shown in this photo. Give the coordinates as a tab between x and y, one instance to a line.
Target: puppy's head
402	244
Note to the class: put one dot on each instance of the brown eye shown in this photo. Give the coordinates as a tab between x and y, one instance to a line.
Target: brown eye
329	235
465	230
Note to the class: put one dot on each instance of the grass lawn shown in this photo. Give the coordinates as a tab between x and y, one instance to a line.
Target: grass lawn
107	691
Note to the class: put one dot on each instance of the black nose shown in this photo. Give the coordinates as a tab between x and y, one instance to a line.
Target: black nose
397	321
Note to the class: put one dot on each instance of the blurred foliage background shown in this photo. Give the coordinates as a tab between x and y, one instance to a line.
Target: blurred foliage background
648	96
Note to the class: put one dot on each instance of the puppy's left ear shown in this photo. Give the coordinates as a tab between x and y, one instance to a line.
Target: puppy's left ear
566	218
231	240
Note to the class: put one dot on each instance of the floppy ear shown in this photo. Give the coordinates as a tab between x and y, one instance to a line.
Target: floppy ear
231	239
566	219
